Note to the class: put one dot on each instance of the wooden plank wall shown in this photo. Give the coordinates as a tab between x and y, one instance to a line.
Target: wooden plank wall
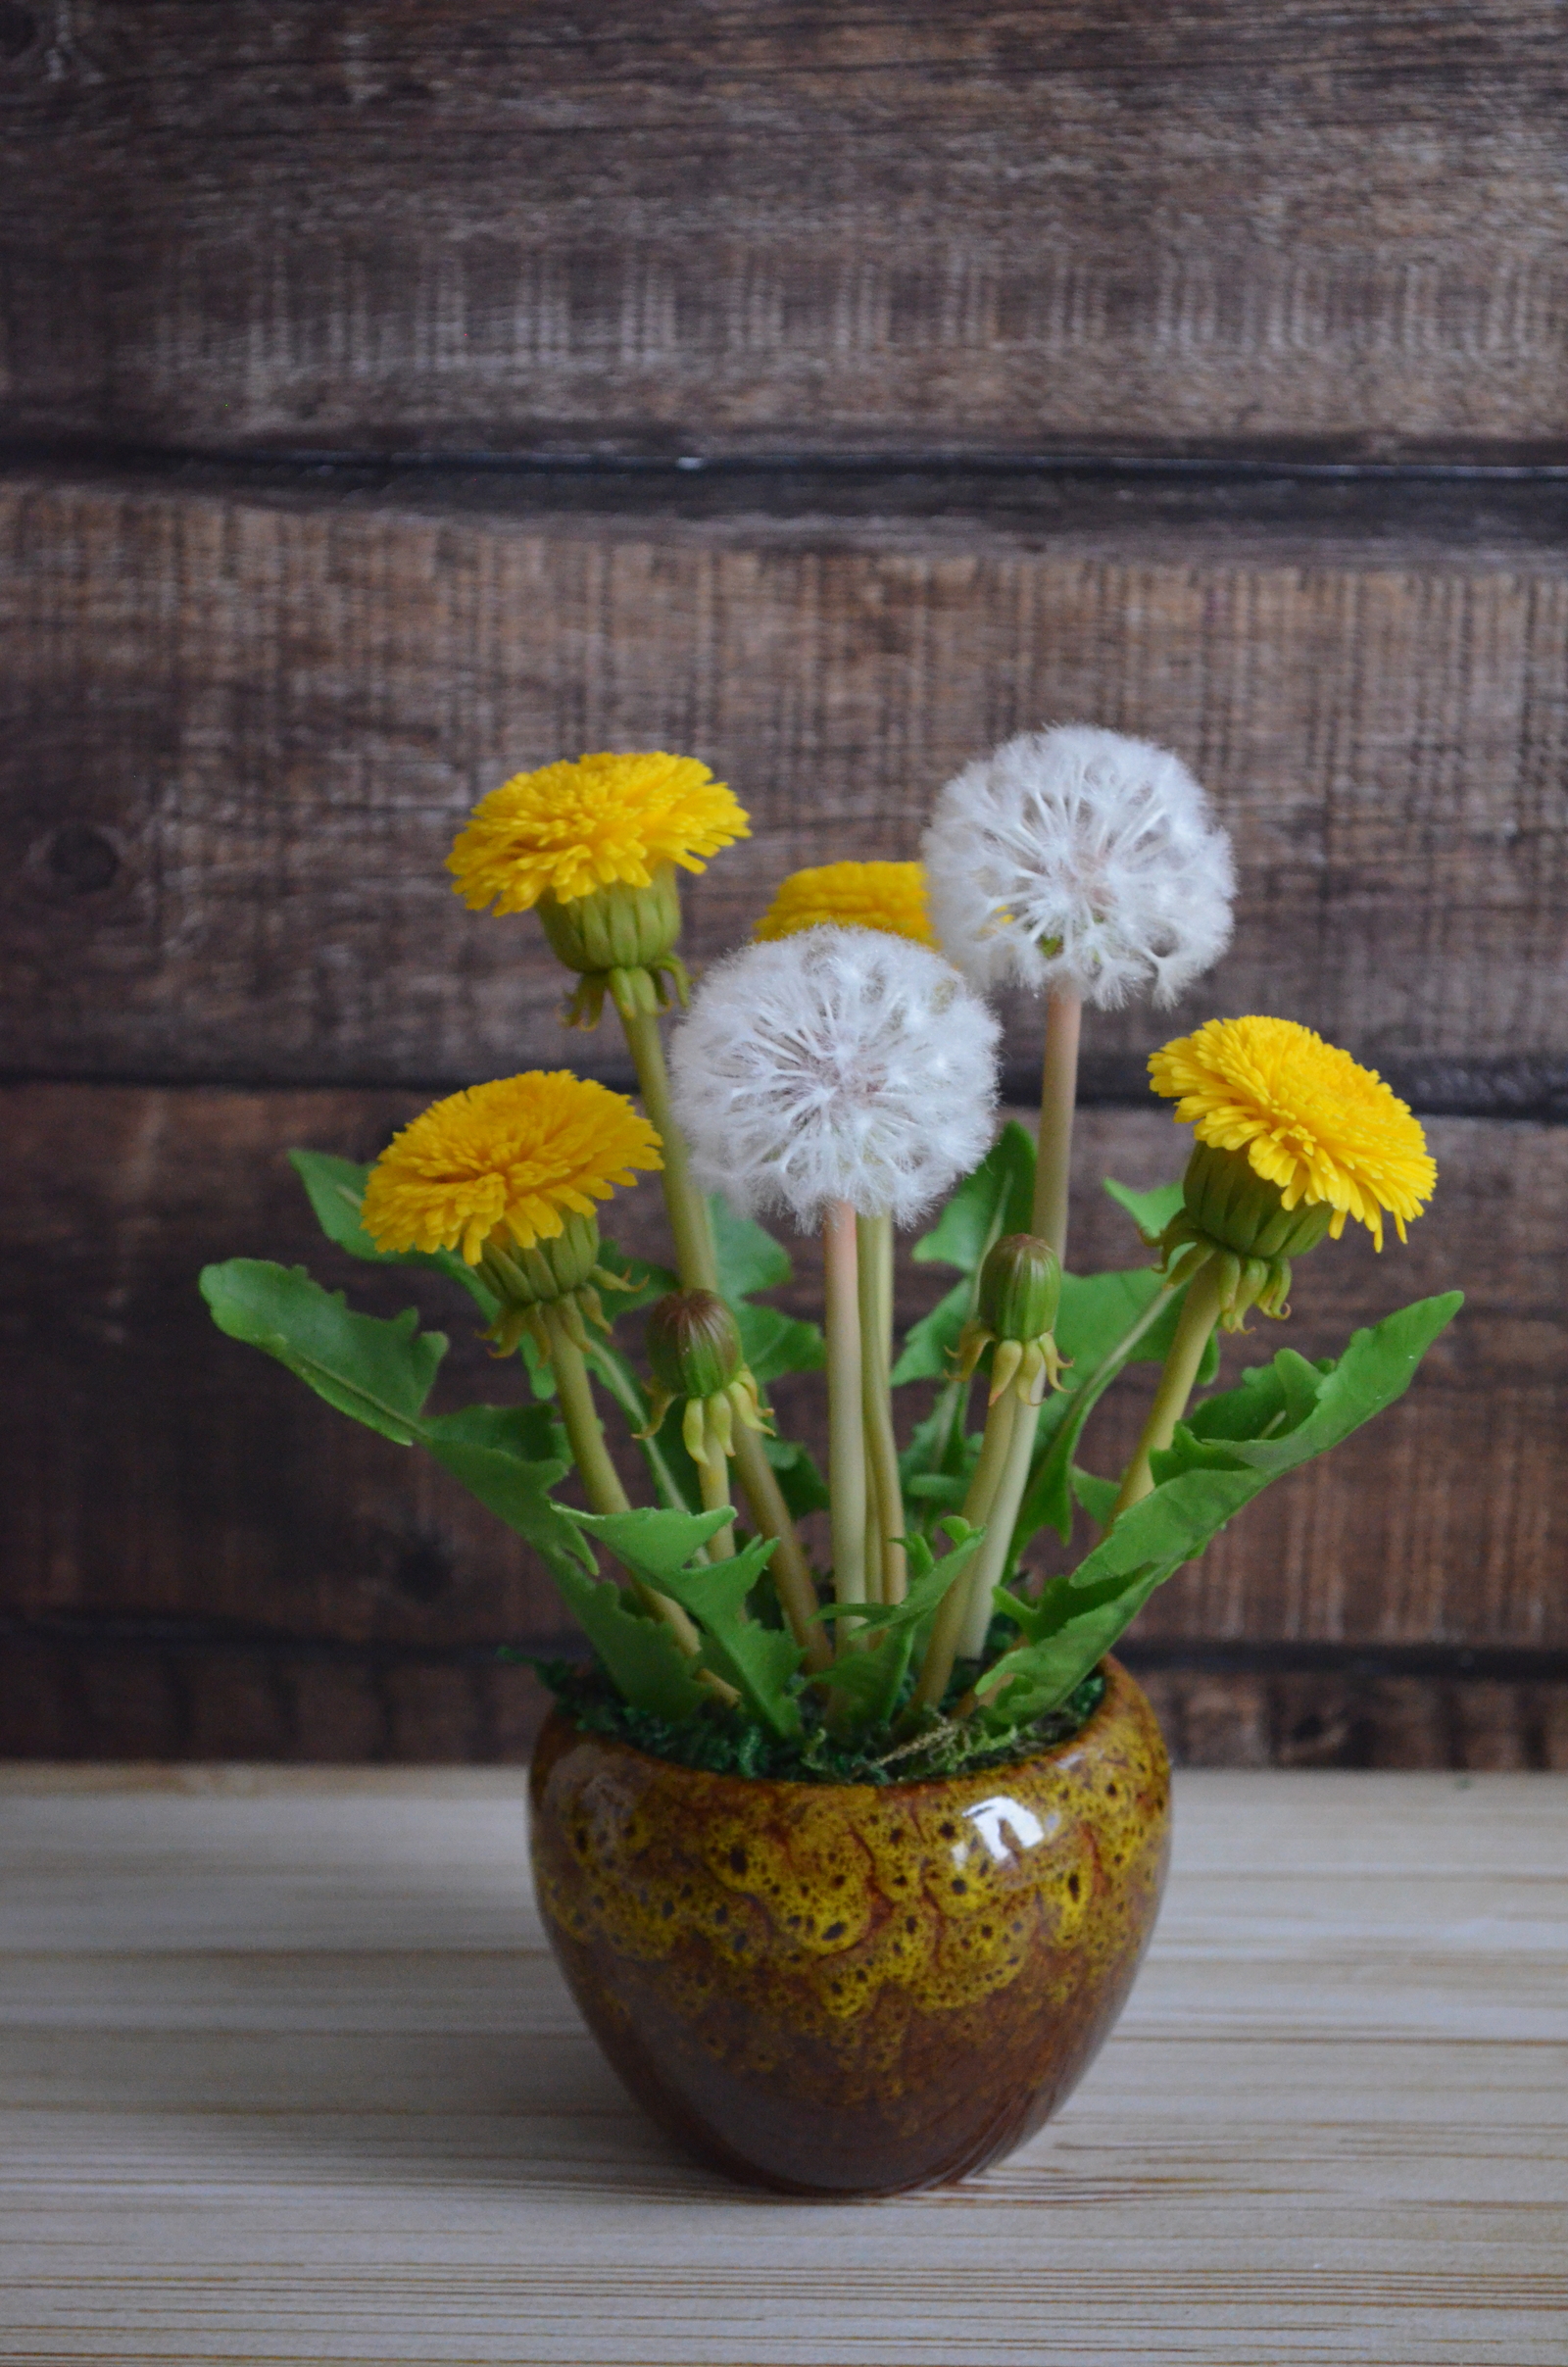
398	396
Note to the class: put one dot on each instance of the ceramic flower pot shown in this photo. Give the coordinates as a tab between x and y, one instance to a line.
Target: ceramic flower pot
847	1990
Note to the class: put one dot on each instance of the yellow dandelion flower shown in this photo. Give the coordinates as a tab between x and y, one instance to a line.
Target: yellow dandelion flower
513	1159
1310	1119
886	896
603	821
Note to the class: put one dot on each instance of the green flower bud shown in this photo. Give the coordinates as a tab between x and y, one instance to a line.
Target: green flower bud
692	1345
1020	1288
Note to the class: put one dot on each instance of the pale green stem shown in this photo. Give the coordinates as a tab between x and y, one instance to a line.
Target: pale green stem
875	1244
1194	1328
1086	1398
688	1210
615	1375
788	1568
601	1481
846	1440
713	1478
984	1574
1059	1093
941	1649
698	1267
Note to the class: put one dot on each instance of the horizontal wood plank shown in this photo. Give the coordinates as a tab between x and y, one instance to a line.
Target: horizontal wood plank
128	1687
464	225
289	2073
242	727
328	1594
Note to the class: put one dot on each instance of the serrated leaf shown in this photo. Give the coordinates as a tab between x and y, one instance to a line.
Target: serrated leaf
1200	1483
931	1345
379	1372
1041	1673
1150	1211
652	1545
761	1662
749	1259
509	1456
641	1657
997	1199
773	1343
864	1683
1096	1496
1098	1311
1315	1408
335	1188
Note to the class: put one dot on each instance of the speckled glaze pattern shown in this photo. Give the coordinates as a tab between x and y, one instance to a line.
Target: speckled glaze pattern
845	1988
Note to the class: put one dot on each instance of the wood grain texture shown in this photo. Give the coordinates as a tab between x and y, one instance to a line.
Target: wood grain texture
287	2074
242	728
588	227
329	1595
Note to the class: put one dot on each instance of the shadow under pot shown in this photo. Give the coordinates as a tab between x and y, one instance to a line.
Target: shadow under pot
852	1988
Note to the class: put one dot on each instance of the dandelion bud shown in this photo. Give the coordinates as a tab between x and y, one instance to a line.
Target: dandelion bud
1020	1288
692	1345
1020	1291
695	1352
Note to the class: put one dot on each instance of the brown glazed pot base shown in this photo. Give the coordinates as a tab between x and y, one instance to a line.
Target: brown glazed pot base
847	1990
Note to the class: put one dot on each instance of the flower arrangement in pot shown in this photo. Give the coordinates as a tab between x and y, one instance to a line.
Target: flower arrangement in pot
850	1868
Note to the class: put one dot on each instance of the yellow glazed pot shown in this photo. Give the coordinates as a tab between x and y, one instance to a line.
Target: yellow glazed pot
847	1989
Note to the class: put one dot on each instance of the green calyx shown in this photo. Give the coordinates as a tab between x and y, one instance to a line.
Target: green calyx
621	941
695	1352
1232	1212
561	1273
692	1345
1020	1288
1020	1291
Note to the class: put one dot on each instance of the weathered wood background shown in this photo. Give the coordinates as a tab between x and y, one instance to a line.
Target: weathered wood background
396	396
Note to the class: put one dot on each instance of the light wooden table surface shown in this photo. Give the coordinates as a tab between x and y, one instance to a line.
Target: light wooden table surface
287	2076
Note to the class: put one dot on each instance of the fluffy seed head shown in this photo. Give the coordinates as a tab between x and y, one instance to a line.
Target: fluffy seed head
837	1064
1080	861
1309	1118
887	896
605	821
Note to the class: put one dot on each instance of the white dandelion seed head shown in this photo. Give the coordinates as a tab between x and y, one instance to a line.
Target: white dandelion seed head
1080	861
836	1064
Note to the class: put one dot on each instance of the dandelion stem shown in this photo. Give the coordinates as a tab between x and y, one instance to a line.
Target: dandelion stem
697	1265
1193	1329
712	1479
948	1626
985	1573
845	1439
788	1568
1058	1094
688	1210
875	1251
601	1482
